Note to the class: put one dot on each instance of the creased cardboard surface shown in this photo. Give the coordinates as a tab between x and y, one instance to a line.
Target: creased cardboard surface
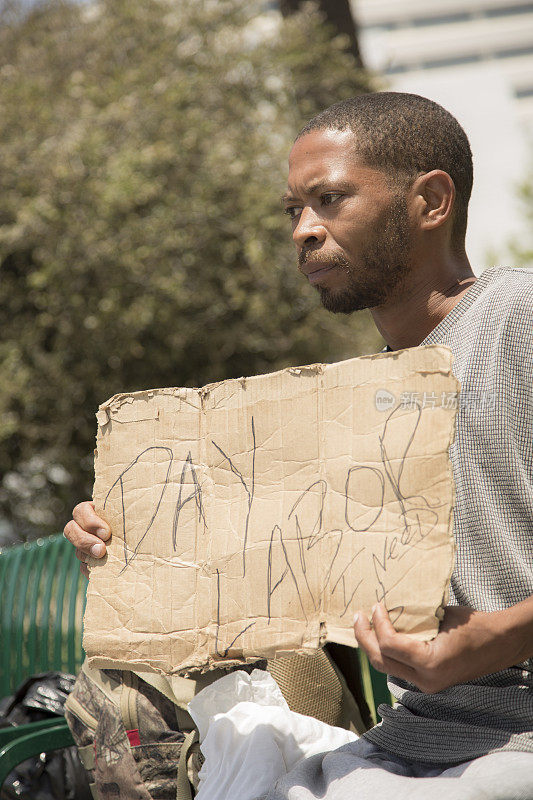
253	517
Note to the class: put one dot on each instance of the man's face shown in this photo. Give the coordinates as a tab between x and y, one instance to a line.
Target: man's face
351	229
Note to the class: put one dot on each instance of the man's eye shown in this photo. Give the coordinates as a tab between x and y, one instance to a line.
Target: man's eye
327	199
293	211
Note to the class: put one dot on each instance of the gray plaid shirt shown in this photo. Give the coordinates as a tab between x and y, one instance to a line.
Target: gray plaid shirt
490	332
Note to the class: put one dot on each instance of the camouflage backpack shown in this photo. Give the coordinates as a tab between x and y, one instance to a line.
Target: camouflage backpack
137	740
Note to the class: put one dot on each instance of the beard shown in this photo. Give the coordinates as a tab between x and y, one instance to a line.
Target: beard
384	263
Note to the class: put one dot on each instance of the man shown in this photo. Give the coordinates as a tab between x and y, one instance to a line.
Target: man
378	193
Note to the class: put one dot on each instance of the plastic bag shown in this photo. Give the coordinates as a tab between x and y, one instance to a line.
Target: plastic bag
57	775
249	737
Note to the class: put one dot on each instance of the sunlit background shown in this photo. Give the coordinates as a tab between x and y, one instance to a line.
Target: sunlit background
143	146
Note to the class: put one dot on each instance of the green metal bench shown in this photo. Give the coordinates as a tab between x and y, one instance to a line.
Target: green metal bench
42	600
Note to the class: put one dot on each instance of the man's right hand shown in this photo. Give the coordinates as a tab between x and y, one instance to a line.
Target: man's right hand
87	532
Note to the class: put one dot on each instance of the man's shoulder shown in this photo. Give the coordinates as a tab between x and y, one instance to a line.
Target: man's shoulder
508	290
497	308
509	282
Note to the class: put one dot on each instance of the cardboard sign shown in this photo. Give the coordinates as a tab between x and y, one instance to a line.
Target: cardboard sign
253	517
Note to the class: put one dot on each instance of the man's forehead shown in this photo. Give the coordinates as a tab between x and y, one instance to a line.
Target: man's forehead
322	156
324	145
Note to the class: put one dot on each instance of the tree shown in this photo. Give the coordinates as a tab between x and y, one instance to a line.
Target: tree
338	14
520	250
143	147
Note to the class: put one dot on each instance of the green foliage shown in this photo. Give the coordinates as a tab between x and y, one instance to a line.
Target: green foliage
143	146
520	252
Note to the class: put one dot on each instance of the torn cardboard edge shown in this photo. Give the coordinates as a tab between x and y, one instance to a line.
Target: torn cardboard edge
252	517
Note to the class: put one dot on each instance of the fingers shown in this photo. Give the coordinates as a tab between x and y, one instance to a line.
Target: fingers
364	634
87	543
367	638
86	531
87	518
81	556
377	640
397	646
84	569
398	654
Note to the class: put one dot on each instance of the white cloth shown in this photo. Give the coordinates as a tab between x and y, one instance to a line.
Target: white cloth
250	738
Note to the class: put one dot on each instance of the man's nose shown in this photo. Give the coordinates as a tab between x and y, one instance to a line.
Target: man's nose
308	229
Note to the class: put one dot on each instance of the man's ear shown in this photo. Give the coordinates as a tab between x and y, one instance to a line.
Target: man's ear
433	199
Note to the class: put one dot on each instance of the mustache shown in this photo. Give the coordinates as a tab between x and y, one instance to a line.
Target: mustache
328	260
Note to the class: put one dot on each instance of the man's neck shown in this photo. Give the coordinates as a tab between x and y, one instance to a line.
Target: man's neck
420	306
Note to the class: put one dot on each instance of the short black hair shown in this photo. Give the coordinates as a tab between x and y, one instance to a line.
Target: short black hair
406	135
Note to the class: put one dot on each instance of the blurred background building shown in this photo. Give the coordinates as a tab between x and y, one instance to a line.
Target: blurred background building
475	57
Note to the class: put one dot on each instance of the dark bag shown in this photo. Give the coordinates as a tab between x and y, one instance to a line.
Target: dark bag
57	775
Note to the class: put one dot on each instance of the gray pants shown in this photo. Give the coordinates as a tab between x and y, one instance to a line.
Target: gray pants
361	771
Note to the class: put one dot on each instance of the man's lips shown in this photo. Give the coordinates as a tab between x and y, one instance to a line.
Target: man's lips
315	270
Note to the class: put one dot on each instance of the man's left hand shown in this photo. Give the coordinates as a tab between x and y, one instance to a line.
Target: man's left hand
469	644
